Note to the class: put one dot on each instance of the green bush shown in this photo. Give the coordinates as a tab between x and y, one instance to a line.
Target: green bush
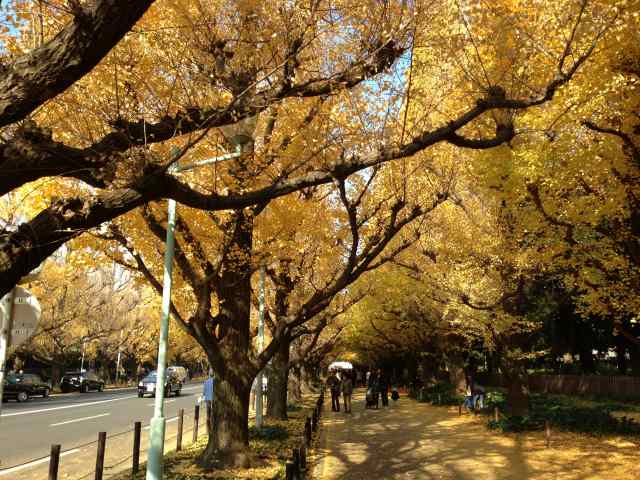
563	414
515	424
441	393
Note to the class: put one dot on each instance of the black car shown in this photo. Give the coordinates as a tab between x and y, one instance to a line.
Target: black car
82	382
22	386
172	384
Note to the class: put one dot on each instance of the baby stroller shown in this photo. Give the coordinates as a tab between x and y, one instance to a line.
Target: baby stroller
394	394
371	399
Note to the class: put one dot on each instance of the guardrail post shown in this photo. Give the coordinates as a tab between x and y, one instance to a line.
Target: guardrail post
290	471
295	458
307	430
547	432
137	430
303	457
54	462
196	418
496	414
459	409
179	435
102	443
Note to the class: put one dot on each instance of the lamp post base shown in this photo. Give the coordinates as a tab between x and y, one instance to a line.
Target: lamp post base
156	448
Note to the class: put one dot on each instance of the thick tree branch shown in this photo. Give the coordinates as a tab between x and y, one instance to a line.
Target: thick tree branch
568	227
50	69
141	266
628	142
22	251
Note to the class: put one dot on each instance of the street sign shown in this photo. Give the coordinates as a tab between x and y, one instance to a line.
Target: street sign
26	315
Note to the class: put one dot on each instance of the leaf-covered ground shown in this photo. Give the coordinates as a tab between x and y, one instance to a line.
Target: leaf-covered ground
271	447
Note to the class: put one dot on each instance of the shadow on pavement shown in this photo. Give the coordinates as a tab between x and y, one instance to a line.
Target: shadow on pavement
414	440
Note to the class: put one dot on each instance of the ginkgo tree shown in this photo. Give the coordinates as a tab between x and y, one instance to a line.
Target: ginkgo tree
569	185
321	84
188	68
309	259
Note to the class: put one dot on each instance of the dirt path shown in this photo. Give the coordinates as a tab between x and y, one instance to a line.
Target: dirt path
416	440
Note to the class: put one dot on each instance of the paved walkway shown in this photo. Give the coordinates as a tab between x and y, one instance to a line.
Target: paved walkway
419	441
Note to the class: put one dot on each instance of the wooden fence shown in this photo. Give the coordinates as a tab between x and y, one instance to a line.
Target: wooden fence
613	386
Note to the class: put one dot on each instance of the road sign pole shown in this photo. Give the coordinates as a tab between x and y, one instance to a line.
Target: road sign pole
5	337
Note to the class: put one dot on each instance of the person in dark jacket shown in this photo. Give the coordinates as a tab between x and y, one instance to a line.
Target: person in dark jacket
333	382
347	391
383	388
372	391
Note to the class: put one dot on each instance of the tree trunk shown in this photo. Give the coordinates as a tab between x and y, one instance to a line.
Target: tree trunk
455	366
230	357
517	389
228	441
278	383
429	371
634	351
306	379
587	361
295	384
621	358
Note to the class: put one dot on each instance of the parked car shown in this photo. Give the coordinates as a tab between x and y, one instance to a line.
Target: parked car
22	386
181	372
81	381
147	385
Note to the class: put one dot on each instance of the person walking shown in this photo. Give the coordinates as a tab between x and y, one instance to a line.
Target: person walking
207	394
347	391
468	398
372	391
477	391
383	388
334	386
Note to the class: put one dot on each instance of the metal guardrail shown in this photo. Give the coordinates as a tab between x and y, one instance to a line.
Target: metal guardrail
98	472
295	467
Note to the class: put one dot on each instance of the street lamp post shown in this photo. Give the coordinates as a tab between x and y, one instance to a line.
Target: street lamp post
118	361
84	340
259	391
158	422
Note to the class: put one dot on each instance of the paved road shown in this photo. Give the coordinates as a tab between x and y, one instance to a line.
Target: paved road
27	430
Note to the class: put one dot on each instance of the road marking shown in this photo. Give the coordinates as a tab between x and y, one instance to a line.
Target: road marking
166	401
42	410
75	405
35	462
79	419
172	419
